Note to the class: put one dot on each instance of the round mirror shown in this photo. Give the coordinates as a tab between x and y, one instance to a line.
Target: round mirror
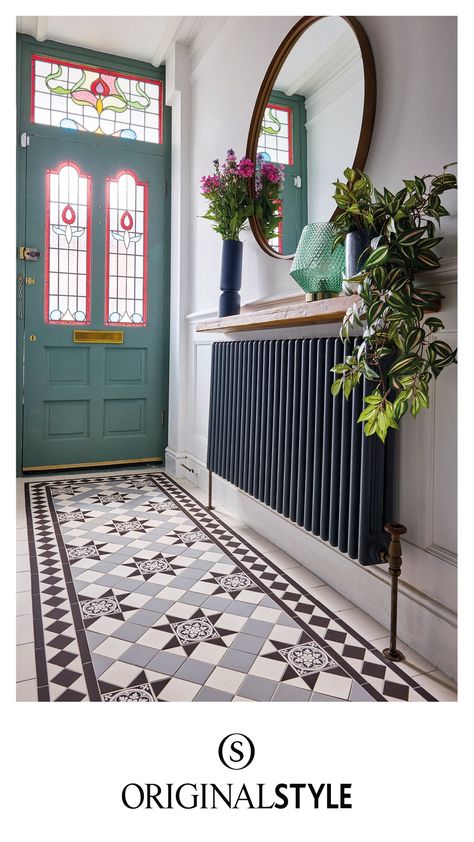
313	117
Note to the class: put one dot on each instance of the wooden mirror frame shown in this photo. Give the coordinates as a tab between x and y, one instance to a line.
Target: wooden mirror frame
368	114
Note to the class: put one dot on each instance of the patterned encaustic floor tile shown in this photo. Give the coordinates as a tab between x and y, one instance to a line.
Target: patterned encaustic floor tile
140	594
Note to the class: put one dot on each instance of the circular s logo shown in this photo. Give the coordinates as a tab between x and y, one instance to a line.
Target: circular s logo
236	751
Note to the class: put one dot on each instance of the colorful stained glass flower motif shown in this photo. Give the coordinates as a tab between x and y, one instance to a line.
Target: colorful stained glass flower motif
67	245
276	142
88	99
126	250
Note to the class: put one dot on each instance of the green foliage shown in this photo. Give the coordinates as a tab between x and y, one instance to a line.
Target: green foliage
399	352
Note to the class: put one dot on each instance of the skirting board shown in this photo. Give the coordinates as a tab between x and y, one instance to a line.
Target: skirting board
423	624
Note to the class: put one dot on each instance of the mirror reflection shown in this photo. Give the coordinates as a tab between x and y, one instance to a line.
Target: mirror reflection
311	127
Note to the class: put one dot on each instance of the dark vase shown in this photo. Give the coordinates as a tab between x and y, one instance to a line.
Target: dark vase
356	243
231	277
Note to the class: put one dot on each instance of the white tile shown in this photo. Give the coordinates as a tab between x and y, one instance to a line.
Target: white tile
27	691
362	623
120	674
112	647
22	533
439	685
285	634
22	547
155	638
181	609
25	662
225	679
304	577
328	596
180	691
23	581
233	622
257	541
23	603
23	563
171	593
250	596
269	615
201	587
105	625
209	653
333	685
24	629
283	560
268	668
242	699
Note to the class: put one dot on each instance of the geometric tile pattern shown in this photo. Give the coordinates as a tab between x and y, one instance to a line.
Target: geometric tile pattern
141	594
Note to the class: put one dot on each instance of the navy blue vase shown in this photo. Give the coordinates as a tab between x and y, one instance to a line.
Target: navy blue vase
231	277
356	243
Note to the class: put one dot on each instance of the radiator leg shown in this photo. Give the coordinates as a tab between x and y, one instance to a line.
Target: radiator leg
209	499
393	555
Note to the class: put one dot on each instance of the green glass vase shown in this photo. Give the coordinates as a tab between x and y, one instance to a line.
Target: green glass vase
316	268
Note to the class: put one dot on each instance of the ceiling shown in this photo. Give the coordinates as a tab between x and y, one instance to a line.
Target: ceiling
143	38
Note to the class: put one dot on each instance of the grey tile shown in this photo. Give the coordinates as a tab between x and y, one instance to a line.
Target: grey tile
158	605
285	620
94	639
288	693
247	643
131	584
128	631
110	581
234	659
193	598
359	694
166	662
194	670
259	689
150	588
320	697
216	603
143	617
243	609
101	663
138	654
258	628
202	564
269	603
209	694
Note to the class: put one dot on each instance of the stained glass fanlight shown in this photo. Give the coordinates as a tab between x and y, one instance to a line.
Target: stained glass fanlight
67	245
87	99
276	135
126	250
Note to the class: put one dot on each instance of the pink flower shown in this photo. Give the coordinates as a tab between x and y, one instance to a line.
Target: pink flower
272	172
246	168
209	183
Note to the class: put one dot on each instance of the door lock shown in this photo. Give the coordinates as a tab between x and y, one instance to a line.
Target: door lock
32	338
28	253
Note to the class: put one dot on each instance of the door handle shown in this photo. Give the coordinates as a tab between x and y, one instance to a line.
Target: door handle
32	338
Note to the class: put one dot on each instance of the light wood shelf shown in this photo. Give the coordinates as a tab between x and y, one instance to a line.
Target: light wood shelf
291	315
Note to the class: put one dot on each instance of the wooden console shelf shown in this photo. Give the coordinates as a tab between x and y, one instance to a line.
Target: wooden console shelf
291	315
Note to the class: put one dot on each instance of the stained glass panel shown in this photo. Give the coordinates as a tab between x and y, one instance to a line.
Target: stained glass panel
88	99
126	250
67	245
276	135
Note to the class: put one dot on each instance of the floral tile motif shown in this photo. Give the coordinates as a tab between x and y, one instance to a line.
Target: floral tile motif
89	550
141	693
307	658
93	608
65	517
194	631
235	582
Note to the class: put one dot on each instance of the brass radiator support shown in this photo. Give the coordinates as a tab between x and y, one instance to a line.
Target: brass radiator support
393	556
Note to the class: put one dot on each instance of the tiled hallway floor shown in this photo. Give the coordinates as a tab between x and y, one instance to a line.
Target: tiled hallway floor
130	590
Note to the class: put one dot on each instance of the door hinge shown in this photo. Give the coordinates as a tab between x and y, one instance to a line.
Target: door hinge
24	140
163	417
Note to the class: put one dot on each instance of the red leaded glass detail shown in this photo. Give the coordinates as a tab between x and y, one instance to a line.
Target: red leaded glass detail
126	250
276	135
67	245
88	99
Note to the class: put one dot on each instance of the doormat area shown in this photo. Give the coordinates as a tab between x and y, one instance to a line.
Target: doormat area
142	595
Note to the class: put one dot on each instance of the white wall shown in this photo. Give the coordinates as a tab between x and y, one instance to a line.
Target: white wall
415	133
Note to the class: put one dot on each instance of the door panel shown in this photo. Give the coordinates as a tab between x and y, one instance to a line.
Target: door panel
94	402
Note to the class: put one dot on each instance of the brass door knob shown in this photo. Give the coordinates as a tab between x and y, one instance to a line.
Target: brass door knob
32	338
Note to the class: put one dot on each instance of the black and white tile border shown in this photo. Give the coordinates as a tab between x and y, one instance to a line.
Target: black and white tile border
63	659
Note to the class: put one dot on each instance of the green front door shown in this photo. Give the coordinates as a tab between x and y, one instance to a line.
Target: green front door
95	302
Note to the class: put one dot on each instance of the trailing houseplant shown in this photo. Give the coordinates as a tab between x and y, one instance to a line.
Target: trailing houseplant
399	353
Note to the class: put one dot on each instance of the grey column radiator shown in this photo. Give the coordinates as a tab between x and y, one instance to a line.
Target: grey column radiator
277	433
